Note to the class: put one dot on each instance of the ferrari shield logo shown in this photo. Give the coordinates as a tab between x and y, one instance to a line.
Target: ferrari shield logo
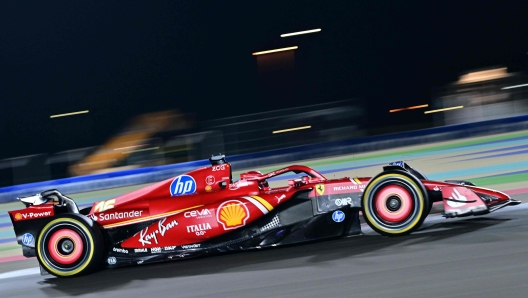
320	189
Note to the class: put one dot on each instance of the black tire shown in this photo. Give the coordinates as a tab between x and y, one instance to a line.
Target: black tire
70	245
430	207
395	203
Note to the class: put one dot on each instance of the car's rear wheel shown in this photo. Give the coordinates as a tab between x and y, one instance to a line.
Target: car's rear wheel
395	204
70	245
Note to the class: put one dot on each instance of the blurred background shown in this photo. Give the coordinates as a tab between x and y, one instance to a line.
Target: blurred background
98	87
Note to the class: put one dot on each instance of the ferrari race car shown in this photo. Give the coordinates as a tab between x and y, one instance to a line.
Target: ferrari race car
205	211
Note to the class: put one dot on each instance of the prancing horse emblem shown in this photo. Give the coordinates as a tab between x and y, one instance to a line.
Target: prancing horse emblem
320	189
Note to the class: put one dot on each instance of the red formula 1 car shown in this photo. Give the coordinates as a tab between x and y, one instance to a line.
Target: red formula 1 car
205	211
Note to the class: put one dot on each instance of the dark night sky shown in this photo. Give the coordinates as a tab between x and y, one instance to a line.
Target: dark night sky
123	58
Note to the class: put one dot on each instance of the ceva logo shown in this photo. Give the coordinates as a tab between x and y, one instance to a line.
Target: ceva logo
182	185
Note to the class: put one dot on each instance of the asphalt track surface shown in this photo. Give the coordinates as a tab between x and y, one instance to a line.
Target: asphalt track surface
482	256
470	257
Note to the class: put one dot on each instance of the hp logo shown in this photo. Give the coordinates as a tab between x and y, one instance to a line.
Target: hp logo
182	185
28	239
338	216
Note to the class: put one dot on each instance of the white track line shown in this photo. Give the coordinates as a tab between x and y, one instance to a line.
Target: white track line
18	273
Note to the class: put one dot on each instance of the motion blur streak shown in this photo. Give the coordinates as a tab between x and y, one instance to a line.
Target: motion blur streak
292	129
408	108
484	75
275	50
516	86
69	114
443	110
300	32
129	147
140	150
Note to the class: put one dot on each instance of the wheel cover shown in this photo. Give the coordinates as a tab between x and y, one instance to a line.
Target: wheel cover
65	246
393	203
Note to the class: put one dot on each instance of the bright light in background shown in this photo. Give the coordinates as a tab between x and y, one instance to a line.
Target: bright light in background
484	75
292	129
129	147
408	108
516	86
443	110
140	150
69	114
300	32
276	50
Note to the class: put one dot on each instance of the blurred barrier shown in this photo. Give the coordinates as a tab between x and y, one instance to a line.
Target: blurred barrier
320	123
284	155
482	95
138	136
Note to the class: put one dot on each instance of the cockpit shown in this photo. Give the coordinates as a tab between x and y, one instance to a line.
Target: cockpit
255	175
220	169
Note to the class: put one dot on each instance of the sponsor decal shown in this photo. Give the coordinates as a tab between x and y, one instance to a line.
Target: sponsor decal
210	180
198	213
338	216
120	250
343	201
28	239
199	229
456	196
111	261
191	246
169	248
140	250
155	250
33	215
238	184
104	205
208	188
117	215
219	167
320	188
273	191
345	187
182	185
146	238
232	214
225	178
397	163
280	198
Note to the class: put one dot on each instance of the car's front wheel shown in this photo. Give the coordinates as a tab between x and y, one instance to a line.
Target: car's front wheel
395	203
70	245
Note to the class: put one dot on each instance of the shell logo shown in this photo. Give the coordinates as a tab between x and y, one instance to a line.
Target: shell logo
232	214
18	216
